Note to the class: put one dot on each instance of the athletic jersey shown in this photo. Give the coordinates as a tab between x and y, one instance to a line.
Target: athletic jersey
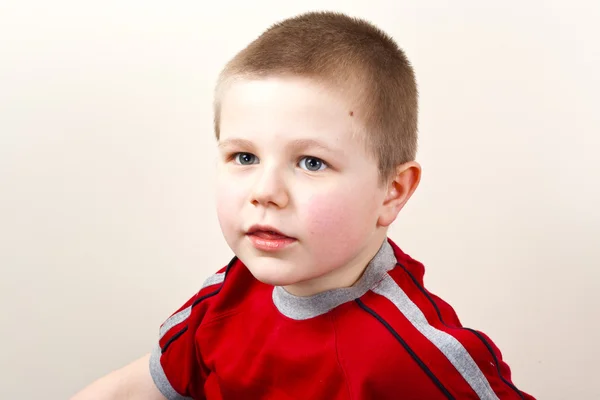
386	337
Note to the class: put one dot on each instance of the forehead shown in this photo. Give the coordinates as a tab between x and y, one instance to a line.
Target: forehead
287	107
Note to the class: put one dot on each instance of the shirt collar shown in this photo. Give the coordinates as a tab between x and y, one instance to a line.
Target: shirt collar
301	308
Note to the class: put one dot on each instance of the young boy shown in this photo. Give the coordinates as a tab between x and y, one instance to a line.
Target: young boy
316	123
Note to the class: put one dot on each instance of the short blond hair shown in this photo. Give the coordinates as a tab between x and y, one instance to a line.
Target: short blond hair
352	54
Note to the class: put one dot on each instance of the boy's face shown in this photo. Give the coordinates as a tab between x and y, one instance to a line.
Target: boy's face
291	162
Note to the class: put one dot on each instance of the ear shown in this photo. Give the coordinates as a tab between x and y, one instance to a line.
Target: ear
400	188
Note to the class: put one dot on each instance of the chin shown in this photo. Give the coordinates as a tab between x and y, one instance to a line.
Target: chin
272	279
273	272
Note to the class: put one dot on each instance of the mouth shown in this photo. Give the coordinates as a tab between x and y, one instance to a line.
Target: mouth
266	232
267	238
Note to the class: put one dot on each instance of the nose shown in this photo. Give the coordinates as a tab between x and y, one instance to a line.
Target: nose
270	188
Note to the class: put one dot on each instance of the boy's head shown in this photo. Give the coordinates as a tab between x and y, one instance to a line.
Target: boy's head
317	128
351	56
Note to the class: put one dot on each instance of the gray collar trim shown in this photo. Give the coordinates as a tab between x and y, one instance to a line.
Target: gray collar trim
301	308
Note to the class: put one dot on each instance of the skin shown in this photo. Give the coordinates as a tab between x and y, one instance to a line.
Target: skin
291	157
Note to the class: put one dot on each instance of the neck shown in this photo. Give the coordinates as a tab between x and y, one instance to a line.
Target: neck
300	308
341	277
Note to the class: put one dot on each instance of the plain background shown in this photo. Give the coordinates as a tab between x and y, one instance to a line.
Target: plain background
107	155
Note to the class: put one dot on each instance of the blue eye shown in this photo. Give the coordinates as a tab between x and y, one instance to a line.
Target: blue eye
245	158
312	164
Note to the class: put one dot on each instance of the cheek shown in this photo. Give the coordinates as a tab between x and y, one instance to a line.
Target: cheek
335	228
229	197
341	213
322	217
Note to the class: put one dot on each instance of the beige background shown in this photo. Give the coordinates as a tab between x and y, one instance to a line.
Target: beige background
107	160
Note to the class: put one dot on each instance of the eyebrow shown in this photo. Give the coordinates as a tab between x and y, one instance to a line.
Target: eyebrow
297	144
235	143
311	143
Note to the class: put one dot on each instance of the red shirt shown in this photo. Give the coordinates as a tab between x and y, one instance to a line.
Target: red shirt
386	337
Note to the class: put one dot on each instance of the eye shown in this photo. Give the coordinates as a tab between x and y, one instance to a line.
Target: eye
245	158
312	164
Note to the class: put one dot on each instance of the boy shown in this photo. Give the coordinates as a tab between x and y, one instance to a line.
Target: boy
316	123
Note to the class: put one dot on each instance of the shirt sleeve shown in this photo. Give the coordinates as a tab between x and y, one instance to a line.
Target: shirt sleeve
482	351
175	364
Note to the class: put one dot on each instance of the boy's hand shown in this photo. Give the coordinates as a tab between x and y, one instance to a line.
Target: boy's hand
131	382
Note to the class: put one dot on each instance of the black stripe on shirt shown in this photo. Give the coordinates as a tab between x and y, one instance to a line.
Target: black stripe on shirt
196	302
173	338
410	351
477	334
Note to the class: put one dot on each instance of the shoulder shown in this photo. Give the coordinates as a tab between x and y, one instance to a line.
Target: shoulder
431	328
219	293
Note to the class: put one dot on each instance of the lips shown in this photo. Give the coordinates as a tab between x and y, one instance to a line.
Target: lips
269	239
270	235
267	232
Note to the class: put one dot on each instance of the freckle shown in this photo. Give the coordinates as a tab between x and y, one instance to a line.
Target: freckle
351	113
